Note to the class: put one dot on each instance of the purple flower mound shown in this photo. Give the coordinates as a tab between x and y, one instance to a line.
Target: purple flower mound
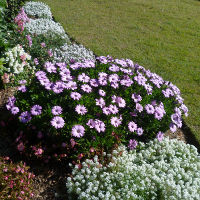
99	104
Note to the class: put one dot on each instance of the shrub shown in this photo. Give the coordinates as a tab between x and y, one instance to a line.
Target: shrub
167	170
75	52
45	27
97	105
15	180
17	66
37	10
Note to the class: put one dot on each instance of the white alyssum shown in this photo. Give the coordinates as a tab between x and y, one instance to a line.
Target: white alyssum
45	27
168	170
73	51
37	9
17	60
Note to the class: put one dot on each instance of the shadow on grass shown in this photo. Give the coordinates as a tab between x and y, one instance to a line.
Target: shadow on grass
190	138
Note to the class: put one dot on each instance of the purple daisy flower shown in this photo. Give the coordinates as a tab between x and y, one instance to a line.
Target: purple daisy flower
139	107
94	82
173	127
113	78
100	126
86	88
58	87
136	97
132	144
56	110
80	109
91	123
78	131
115	121
50	67
114	68
58	122
140	131
121	102
158	113
160	136
14	110
22	82
102	93
36	110
100	102
22	88
75	95
25	117
83	78
113	109
132	126
106	111
150	109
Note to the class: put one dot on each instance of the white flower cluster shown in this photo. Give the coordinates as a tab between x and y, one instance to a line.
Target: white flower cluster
37	9
17	60
73	51
168	170
45	27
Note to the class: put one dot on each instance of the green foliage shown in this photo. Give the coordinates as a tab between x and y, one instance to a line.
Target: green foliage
160	35
15	180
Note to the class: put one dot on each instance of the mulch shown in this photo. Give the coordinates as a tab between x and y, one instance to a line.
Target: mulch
50	178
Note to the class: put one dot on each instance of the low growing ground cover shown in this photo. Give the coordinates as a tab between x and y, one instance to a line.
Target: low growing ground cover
162	36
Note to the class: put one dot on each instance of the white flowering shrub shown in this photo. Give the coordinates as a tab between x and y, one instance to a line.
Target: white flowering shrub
45	27
160	170
37	9
17	65
74	51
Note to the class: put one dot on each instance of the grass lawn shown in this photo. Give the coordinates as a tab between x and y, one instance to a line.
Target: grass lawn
163	36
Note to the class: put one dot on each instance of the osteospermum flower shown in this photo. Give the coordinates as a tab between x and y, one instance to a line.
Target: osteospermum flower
121	102
140	131
56	110
100	102
22	88
25	117
83	78
132	144
150	109
50	67
100	126
132	126
58	122
86	88
139	107
115	121
80	109
36	110
102	93
113	109
136	97
14	110
75	95
78	131
160	136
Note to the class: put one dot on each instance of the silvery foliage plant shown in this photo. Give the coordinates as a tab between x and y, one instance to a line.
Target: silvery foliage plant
167	170
37	10
74	52
45	27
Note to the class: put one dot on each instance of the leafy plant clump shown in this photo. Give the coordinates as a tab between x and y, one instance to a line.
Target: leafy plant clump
37	10
15	180
160	170
91	105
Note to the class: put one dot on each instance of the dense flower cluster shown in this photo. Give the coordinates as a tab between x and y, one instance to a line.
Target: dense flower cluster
15	180
167	170
17	65
88	102
75	52
45	27
37	9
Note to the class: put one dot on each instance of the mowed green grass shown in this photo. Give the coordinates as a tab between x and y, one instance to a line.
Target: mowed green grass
163	36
